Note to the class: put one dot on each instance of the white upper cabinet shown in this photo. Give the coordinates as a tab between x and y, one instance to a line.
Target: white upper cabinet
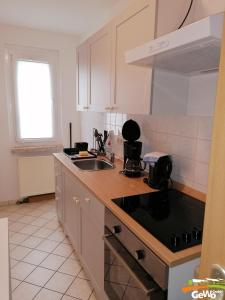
104	81
99	49
82	77
131	85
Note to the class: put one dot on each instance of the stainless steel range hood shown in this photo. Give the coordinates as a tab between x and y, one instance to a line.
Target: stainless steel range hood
193	48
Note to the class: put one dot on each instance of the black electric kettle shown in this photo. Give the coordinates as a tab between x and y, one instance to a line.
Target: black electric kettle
160	168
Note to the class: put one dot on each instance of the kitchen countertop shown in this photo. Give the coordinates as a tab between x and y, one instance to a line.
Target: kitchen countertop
109	184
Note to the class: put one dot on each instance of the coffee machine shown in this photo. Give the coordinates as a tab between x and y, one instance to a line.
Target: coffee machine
133	165
160	168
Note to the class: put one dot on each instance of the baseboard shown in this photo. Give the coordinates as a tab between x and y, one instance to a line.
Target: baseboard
43	197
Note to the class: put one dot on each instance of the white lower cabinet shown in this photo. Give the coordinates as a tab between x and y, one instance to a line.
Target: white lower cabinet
58	190
84	225
72	210
92	251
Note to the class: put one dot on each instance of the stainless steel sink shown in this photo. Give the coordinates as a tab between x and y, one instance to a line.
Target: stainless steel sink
93	164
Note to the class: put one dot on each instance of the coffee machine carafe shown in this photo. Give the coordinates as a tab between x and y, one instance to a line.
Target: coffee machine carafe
160	168
133	165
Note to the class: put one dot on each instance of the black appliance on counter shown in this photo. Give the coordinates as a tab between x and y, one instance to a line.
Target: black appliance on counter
160	168
132	149
171	216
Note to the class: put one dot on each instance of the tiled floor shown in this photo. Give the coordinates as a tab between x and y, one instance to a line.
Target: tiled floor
43	263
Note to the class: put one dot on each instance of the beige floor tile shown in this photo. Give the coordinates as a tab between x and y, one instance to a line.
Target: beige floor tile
12	246
52	225
80	289
14	217
35	257
66	241
19	252
25	291
3	214
27	219
15	283
39	276
59	282
32	242
93	297
43	232
35	213
73	255
47	246
45	294
83	275
29	229
65	297
70	267
39	222
24	209
63	250
57	236
18	238
53	262
21	270
49	215
16	226
13	262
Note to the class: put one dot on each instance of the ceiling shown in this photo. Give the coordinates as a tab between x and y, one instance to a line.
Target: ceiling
77	17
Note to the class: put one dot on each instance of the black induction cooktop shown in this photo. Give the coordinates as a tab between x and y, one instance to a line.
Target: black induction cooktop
172	217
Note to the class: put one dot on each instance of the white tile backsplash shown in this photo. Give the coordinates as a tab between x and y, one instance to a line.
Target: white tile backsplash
186	138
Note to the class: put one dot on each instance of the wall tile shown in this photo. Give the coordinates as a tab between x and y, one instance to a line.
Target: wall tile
203	151
201	173
205	128
186	138
184	168
186	147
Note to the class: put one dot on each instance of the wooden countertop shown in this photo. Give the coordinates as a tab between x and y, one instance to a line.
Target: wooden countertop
109	184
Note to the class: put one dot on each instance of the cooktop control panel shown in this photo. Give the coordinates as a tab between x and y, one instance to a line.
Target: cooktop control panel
172	217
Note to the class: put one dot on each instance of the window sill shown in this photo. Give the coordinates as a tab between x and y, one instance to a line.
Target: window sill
37	149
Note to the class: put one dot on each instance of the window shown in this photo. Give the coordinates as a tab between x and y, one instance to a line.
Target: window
33	89
34	100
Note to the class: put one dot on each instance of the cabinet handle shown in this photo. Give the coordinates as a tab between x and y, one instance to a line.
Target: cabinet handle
76	200
85	107
107	108
87	200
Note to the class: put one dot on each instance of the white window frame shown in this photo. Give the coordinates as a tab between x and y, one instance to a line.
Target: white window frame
14	54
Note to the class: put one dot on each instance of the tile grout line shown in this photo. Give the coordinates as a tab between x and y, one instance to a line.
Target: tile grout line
59	242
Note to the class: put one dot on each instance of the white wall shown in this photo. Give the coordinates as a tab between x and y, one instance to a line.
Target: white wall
172	12
65	45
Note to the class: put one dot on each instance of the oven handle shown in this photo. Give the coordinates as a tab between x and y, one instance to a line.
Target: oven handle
147	291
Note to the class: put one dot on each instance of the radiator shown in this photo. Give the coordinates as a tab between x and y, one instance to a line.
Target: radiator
36	175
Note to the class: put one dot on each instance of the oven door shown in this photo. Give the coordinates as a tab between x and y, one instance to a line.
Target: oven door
124	277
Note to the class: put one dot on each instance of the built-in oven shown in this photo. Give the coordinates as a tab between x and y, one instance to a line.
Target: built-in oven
132	271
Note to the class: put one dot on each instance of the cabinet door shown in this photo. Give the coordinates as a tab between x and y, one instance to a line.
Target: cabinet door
58	190
82	77
100	70
72	211
132	84
92	250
